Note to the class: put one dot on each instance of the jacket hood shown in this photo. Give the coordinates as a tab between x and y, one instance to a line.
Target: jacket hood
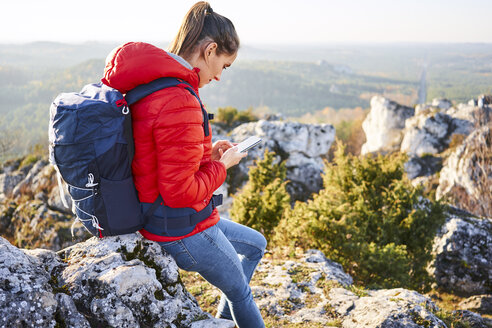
137	63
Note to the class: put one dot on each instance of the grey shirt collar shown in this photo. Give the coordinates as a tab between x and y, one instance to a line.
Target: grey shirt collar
180	60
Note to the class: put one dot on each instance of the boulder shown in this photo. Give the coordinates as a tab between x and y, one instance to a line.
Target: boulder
471	112
123	281
467	172
293	290
462	255
32	224
8	182
484	100
472	319
27	183
26	292
430	133
422	166
384	124
303	146
126	281
478	303
55	200
441	103
315	292
384	308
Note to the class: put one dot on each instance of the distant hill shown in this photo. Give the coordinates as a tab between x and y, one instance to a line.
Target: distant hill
292	80
51	55
296	88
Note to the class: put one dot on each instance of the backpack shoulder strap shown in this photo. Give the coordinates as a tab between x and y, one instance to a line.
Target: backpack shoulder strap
144	90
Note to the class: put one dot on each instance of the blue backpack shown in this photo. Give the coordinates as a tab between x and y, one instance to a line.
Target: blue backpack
91	147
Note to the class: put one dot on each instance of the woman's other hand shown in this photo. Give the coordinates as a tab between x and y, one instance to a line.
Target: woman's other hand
232	157
218	149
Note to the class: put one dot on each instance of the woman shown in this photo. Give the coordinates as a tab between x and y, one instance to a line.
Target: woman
175	159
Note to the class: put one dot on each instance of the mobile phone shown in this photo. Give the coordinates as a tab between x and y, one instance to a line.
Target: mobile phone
248	144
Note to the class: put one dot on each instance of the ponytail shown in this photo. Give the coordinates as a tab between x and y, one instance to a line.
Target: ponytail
201	23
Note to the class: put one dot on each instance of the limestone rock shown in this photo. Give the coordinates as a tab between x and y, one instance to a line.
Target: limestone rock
123	281
213	323
484	100
469	168
463	256
26	294
293	290
127	281
422	166
470	112
310	139
55	200
473	320
478	303
8	181
384	124
33	224
441	103
314	291
384	308
430	133
27	182
303	146
427	130
68	315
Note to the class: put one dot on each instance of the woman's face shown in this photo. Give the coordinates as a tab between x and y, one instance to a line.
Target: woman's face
212	65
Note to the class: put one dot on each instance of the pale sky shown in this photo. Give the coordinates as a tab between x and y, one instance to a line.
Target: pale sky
256	21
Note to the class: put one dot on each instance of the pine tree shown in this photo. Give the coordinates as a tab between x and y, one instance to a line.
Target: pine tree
370	219
261	203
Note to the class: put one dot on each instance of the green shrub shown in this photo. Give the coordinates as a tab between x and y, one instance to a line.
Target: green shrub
370	219
28	160
230	116
262	201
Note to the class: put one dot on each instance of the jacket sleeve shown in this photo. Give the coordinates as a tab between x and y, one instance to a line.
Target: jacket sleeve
184	177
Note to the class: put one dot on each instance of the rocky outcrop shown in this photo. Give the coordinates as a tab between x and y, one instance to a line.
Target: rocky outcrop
463	256
431	133
293	290
384	124
466	175
32	214
26	293
314	291
123	281
439	137
128	281
422	166
384	308
478	303
426	130
302	146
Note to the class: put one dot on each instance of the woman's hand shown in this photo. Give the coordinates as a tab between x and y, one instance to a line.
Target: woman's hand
218	149
232	157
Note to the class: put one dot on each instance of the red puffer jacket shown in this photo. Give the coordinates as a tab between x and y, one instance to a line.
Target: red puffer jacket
172	154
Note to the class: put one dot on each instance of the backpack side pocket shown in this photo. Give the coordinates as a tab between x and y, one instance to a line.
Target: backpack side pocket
121	207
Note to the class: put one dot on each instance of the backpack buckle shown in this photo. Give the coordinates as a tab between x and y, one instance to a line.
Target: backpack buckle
90	181
216	200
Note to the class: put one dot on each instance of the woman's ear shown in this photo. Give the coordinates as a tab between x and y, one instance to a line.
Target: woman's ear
210	49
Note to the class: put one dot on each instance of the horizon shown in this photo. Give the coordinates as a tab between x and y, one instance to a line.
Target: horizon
256	44
257	22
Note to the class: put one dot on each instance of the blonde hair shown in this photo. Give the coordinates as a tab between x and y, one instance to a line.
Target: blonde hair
200	24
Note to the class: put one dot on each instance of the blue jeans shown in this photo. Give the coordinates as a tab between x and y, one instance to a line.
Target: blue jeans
226	255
